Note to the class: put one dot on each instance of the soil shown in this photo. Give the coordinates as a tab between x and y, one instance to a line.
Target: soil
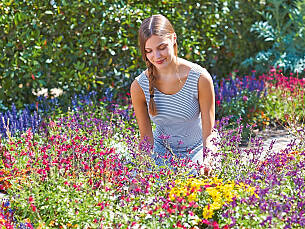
282	137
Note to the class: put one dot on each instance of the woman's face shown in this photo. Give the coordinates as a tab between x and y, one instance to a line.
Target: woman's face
160	50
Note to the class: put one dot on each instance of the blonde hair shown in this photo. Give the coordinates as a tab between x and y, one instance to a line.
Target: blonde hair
160	26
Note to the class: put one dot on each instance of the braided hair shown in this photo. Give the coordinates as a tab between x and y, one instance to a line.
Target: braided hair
160	26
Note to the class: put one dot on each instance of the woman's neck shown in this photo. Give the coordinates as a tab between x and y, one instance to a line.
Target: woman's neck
170	71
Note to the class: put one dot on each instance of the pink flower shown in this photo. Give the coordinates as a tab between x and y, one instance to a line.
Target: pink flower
273	70
204	221
245	98
163	136
29	225
29	134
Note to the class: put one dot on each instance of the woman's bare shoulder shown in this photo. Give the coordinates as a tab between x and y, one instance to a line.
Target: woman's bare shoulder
185	63
191	65
135	87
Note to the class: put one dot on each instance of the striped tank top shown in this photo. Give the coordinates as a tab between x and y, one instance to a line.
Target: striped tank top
178	122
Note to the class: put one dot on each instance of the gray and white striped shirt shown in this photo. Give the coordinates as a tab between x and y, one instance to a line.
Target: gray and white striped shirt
178	122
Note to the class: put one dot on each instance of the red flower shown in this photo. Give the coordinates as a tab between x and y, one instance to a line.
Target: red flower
33	77
179	225
215	225
33	207
31	199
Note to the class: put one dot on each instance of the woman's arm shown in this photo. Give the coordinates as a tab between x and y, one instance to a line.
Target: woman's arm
141	112
206	97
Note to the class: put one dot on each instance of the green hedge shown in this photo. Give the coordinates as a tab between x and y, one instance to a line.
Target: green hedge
92	44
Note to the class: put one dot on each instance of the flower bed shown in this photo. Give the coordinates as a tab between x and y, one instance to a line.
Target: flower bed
84	171
81	167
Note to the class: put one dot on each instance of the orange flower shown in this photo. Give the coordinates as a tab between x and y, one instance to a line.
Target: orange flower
41	226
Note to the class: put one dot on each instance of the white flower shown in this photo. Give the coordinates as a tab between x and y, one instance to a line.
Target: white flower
56	92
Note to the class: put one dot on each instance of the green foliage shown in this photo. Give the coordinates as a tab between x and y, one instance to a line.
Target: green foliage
242	106
282	105
283	31
81	45
245	107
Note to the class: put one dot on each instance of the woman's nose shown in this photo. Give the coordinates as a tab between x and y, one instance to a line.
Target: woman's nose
157	54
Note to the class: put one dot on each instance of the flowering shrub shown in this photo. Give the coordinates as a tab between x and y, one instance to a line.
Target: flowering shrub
268	99
285	98
239	97
84	171
14	122
11	122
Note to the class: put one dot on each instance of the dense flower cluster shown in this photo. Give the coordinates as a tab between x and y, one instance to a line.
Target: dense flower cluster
227	89
218	192
12	123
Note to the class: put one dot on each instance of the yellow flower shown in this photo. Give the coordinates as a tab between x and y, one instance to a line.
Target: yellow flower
207	212
192	197
216	205
214	193
27	220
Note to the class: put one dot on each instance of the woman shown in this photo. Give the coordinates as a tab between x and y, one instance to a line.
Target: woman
177	95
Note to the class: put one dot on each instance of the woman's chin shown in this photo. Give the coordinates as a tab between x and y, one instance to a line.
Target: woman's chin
163	65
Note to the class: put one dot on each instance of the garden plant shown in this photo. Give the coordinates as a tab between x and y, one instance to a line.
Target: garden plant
72	159
83	169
